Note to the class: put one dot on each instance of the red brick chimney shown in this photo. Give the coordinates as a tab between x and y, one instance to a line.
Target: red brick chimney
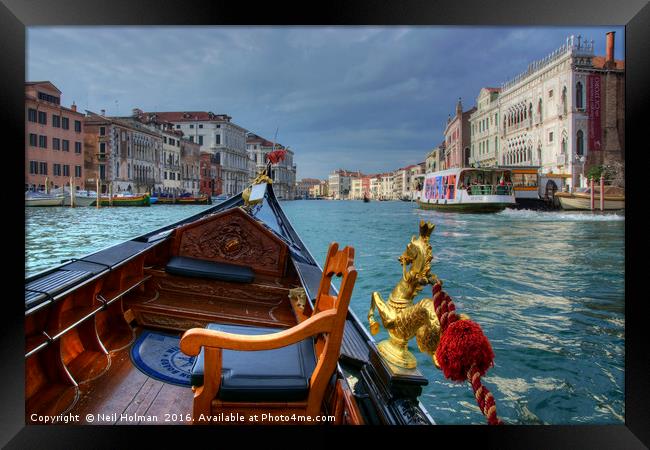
73	107
609	55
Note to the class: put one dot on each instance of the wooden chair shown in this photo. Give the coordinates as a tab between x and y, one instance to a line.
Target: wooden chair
326	325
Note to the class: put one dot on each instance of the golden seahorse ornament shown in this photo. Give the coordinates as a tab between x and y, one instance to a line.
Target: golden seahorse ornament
401	318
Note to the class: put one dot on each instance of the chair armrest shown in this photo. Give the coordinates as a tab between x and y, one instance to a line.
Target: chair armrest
195	338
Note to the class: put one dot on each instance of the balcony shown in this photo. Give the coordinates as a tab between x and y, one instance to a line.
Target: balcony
102	156
561	159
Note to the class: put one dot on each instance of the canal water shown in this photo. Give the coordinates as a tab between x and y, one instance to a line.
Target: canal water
546	287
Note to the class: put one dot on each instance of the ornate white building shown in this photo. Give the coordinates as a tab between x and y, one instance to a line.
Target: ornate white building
548	117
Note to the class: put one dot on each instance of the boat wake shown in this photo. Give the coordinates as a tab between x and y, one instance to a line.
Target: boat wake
563	216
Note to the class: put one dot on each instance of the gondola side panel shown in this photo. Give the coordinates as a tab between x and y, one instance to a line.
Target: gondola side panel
233	237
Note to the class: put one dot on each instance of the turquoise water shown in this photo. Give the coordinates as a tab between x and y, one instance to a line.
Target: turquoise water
546	287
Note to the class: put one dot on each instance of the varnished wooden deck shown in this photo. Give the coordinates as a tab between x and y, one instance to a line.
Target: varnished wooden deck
125	395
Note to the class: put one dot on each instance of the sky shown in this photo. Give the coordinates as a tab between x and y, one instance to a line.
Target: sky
361	98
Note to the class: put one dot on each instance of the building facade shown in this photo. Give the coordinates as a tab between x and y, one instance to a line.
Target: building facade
434	161
303	187
320	190
340	183
217	134
484	129
282	173
209	174
565	113
54	137
190	166
457	138
122	152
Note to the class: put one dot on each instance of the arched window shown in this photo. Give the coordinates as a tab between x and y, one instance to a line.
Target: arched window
539	109
579	95
563	145
564	106
580	145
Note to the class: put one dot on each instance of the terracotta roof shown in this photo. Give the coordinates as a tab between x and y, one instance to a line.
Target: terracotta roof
599	63
492	89
32	83
190	116
254	138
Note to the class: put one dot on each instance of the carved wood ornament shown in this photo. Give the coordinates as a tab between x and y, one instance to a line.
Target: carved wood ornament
233	237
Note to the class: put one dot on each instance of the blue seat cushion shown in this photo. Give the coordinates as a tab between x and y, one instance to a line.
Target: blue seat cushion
199	268
267	375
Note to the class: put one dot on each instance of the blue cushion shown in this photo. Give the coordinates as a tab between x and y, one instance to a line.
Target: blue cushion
268	375
192	267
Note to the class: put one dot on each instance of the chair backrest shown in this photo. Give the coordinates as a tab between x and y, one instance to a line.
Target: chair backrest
337	263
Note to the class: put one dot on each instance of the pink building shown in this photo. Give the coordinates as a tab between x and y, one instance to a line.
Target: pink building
457	138
54	138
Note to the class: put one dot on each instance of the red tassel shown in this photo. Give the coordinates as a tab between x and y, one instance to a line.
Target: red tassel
463	345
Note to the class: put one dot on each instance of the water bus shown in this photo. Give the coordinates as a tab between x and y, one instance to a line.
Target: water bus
468	190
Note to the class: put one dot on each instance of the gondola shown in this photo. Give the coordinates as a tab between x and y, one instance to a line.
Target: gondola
226	318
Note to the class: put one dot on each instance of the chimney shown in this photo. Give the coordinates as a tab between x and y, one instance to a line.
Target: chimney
102	112
73	107
609	55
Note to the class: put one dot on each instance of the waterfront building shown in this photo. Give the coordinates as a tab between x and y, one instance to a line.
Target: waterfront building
434	161
122	151
399	183
303	187
375	186
282	173
415	180
319	190
210	174
355	189
340	183
457	138
484	129
565	113
171	150
190	166
217	134
54	136
386	192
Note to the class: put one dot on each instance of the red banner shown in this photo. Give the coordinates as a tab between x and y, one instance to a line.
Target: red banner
593	112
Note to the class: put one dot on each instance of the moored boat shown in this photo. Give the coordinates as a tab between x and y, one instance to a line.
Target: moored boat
614	198
184	200
81	198
33	198
125	200
467	190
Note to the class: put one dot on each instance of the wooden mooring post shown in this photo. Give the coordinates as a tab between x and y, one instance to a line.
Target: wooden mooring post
72	199
602	193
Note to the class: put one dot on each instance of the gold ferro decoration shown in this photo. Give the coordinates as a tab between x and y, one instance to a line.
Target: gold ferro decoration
400	317
261	177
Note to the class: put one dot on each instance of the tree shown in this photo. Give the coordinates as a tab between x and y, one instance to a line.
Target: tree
613	173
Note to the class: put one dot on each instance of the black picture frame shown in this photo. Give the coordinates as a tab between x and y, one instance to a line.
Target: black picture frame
15	15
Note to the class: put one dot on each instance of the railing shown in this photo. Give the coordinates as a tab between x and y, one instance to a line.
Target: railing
488	189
